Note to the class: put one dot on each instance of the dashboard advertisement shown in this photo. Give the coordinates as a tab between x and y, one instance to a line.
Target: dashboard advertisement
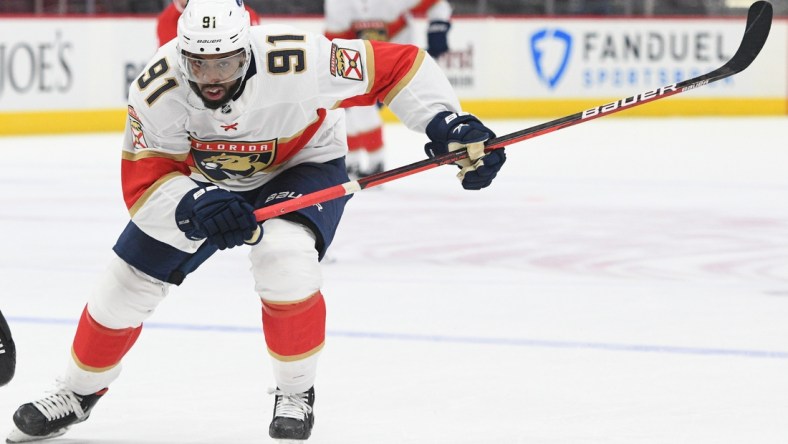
73	74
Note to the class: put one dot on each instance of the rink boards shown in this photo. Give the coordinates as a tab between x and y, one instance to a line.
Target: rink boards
72	74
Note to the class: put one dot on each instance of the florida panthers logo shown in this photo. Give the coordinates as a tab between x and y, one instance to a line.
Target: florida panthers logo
371	30
223	160
231	163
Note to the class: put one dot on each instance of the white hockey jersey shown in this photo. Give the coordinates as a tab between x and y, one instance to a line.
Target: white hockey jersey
286	113
385	20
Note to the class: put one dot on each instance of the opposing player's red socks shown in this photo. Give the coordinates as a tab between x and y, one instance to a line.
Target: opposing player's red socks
369	141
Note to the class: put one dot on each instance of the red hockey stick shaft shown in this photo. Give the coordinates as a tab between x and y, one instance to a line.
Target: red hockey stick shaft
759	19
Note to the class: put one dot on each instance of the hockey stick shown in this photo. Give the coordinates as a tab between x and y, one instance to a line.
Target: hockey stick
759	20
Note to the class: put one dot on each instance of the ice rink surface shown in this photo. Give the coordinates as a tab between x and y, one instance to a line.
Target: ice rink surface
622	281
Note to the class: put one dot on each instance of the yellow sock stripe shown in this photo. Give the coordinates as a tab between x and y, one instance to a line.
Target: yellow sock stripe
283	358
88	368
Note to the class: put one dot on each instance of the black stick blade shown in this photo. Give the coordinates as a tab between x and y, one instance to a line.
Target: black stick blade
759	22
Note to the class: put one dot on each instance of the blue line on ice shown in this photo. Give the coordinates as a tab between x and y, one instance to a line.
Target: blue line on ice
517	342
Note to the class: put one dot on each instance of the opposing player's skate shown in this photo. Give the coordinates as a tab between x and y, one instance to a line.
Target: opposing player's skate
293	416
7	353
51	416
373	168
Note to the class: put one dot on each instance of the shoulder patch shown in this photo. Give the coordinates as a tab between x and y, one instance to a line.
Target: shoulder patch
346	63
137	135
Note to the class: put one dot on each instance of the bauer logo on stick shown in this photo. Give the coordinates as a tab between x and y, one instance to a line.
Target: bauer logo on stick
623	103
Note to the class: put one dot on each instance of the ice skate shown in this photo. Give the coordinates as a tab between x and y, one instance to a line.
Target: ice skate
353	171
372	168
51	416
376	169
354	163
7	353
293	416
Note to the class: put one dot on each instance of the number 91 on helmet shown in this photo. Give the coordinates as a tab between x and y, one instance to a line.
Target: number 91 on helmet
213	41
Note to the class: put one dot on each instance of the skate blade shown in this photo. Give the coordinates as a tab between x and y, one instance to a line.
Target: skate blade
17	436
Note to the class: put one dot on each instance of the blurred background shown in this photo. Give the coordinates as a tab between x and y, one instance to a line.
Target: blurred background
476	7
506	58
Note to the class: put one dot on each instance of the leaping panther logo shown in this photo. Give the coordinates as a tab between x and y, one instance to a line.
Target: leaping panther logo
232	163
220	160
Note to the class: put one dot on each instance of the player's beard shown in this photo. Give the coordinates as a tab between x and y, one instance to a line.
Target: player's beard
215	95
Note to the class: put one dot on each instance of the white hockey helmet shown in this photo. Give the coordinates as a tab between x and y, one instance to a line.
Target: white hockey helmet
214	28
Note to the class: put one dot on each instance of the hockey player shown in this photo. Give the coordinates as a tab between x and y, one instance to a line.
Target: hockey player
167	21
7	353
225	119
382	20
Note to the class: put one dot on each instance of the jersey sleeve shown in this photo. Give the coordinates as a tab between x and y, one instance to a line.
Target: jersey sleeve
167	24
433	9
403	77
154	164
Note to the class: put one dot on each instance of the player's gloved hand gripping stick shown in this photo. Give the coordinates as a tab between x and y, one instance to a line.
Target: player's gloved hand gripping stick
759	20
461	131
223	218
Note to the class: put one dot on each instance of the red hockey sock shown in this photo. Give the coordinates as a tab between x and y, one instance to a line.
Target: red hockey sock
370	141
98	348
295	330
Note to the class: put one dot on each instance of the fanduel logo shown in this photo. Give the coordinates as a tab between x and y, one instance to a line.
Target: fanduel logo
550	51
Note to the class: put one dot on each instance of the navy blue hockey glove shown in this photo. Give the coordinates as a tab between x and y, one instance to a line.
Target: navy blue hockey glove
450	131
437	41
223	218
